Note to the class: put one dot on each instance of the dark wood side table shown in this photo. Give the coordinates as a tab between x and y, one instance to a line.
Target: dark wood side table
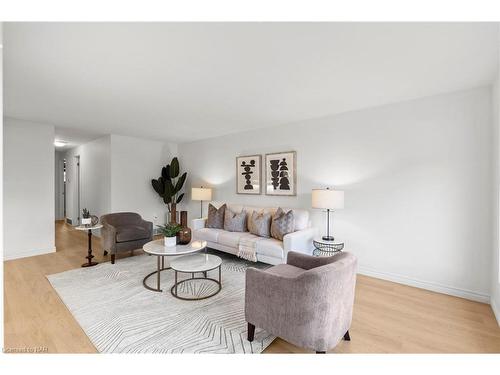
89	230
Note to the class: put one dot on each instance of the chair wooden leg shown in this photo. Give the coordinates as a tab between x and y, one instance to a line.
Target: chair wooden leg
112	258
347	337
251	332
320	352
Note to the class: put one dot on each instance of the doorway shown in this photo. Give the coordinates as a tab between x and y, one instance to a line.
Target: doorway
64	188
78	189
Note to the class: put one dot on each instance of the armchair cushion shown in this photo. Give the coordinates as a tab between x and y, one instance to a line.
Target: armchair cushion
131	233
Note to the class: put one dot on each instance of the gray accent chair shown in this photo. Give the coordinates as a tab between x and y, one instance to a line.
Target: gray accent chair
124	231
308	301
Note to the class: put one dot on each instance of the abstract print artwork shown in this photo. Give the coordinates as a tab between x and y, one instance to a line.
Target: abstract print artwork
281	173
248	174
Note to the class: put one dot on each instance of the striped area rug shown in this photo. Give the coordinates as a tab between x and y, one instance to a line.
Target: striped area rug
120	316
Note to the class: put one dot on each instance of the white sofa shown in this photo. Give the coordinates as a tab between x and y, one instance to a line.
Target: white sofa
269	250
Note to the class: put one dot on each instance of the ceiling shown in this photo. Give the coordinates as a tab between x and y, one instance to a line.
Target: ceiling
188	81
74	137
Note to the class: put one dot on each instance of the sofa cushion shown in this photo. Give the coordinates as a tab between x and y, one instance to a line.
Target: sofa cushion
235	222
131	233
208	234
270	247
259	224
232	239
282	224
216	216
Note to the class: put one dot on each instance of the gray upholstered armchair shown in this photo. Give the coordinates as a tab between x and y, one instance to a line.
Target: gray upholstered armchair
307	302
124	231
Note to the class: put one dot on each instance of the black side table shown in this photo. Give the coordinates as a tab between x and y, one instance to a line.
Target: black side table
89	256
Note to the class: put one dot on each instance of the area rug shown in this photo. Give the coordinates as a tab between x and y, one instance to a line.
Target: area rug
120	316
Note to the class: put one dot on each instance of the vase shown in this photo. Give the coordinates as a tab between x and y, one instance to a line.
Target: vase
173	213
170	241
184	235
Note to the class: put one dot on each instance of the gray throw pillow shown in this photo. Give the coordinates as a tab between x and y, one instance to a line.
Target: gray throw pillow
216	216
259	224
234	222
282	223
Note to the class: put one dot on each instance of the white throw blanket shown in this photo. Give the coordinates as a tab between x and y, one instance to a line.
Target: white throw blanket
247	248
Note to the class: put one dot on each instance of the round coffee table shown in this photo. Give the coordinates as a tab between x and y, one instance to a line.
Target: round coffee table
158	249
197	263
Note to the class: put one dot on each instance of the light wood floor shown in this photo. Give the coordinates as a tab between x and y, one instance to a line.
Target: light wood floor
388	317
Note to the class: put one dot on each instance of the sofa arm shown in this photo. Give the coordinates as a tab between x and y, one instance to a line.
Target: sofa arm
198	223
300	241
108	235
148	225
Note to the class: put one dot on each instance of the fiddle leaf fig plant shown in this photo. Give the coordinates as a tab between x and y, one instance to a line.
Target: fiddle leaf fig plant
169	185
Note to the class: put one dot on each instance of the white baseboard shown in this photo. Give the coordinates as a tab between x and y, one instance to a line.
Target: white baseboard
29	253
429	285
496	309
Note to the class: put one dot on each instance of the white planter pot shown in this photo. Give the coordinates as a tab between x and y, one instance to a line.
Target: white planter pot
86	221
170	241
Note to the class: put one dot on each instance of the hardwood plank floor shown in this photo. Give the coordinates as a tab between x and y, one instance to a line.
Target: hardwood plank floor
388	317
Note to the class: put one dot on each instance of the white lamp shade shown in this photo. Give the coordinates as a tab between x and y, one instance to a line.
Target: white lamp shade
201	194
327	199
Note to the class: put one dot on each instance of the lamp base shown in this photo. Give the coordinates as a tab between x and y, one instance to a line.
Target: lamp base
328	238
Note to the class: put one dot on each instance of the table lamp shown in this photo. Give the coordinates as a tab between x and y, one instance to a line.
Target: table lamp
330	200
201	194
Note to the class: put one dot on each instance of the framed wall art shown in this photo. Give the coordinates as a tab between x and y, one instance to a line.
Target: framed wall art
248	178
281	173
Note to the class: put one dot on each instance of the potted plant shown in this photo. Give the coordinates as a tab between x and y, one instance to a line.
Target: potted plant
170	232
169	185
86	218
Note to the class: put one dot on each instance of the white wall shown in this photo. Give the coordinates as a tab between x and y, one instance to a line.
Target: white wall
95	178
495	273
28	183
416	177
134	162
116	173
